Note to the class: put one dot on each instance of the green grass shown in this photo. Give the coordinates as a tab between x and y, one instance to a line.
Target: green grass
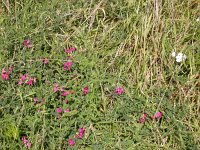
118	43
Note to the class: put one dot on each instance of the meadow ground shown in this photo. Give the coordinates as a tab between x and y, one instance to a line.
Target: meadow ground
100	74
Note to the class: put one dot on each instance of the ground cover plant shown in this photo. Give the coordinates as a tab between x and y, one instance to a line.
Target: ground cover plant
117	74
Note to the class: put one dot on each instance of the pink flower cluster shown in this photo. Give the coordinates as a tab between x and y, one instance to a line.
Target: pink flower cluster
69	50
85	90
157	115
144	116
27	43
45	60
80	135
67	65
5	74
25	79
59	111
119	90
63	93
26	142
71	142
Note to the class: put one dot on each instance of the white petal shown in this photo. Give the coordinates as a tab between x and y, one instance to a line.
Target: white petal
184	57
173	54
180	55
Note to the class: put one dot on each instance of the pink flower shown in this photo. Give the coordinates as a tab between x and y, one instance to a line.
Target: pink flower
28	145
119	90
30	81
45	60
66	101
65	93
27	43
20	83
81	133
5	74
158	115
26	142
55	89
85	90
67	65
69	50
66	110
59	110
35	99
61	89
23	77
143	118
71	142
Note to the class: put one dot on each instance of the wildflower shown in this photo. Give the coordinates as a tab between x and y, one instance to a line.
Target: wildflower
27	43
143	118
119	90
5	74
20	82
59	110
30	81
65	93
66	110
158	115
180	57
61	89
85	90
45	60
66	101
26	142
198	19
71	142
23	77
173	54
80	133
35	99
67	65
69	50
55	88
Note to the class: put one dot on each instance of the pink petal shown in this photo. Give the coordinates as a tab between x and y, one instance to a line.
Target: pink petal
69	50
158	115
65	93
143	118
59	110
85	90
66	110
119	90
71	142
30	82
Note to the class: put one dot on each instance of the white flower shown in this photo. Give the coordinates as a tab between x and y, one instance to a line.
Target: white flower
180	57
173	54
198	19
